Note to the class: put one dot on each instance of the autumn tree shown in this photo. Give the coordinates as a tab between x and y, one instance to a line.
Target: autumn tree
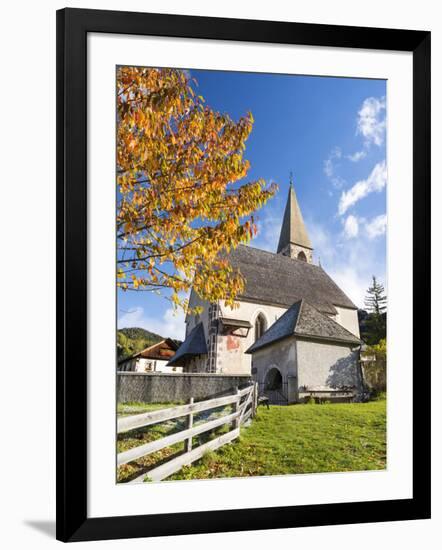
376	304
181	207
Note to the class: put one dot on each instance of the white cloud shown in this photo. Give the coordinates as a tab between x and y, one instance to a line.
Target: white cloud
330	167
353	268
324	245
353	283
371	122
351	227
356	157
130	318
169	325
376	227
269	228
350	262
376	181
371	228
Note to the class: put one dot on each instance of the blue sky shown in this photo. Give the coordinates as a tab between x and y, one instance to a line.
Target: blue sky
330	132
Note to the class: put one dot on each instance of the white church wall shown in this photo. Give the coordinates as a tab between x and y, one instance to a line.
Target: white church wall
348	318
322	366
249	311
232	358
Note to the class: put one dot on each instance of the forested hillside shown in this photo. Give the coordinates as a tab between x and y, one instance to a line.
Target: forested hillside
133	340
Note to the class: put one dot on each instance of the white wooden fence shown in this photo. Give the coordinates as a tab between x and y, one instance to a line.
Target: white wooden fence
244	403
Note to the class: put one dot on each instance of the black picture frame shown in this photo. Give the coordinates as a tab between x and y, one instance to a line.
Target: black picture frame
73	25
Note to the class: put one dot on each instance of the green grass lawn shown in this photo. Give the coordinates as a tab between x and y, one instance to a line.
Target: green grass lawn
290	439
299	439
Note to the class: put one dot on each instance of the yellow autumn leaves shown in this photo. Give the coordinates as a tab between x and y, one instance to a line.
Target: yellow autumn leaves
180	209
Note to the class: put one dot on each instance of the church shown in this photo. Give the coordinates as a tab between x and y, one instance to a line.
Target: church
295	330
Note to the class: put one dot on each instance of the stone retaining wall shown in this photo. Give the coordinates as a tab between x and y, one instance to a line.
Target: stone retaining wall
156	387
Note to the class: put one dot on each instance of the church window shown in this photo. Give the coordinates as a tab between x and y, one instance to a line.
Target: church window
302	256
260	326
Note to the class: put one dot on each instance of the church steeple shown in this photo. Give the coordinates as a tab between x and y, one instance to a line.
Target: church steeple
294	240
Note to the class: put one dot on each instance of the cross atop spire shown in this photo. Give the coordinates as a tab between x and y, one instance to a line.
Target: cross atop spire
294	240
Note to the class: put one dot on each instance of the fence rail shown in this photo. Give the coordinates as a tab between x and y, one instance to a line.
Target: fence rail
244	402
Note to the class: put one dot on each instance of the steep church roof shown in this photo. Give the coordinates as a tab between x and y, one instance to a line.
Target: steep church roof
279	280
293	229
194	344
302	319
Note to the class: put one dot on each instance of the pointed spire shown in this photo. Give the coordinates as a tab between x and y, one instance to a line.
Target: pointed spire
293	231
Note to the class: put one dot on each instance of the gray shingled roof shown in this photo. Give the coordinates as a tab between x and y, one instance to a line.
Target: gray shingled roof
194	344
302	319
280	280
293	229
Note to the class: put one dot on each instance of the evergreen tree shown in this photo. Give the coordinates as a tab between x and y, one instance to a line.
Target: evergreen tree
376	301
376	304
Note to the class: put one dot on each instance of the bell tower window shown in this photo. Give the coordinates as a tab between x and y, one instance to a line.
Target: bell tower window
302	256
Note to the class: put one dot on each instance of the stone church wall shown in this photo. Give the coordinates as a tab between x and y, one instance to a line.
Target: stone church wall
323	366
293	251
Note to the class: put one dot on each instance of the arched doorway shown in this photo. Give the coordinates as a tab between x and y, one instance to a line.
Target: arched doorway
273	380
274	387
302	256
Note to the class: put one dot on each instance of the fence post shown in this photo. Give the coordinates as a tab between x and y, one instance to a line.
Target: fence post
236	408
188	444
255	398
